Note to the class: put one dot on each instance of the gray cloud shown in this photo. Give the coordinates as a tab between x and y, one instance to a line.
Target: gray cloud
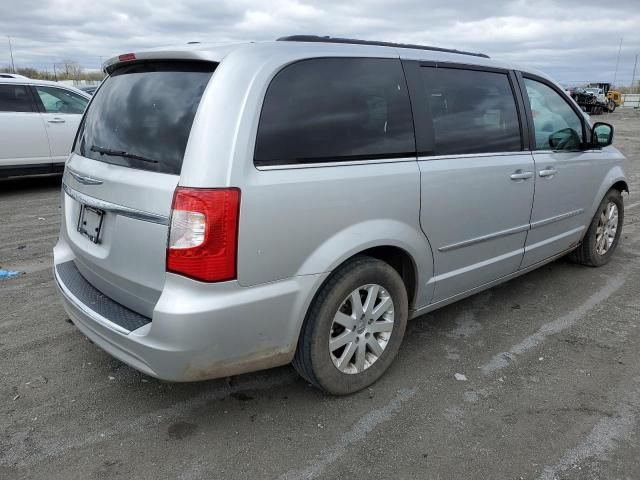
573	40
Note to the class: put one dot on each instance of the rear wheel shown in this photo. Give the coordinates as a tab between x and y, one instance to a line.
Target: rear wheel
354	327
603	234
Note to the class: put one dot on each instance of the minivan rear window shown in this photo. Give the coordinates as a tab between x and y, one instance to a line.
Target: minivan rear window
142	114
335	109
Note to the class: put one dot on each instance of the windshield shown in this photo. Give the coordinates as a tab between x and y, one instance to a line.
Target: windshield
142	114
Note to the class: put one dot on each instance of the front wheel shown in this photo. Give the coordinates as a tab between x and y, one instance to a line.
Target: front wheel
611	106
354	327
603	234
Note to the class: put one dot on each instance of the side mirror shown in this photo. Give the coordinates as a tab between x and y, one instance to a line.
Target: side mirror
565	139
601	134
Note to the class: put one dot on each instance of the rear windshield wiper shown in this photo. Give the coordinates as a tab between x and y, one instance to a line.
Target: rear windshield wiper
120	153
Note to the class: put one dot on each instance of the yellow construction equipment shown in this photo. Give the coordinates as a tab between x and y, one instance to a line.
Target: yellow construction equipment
614	97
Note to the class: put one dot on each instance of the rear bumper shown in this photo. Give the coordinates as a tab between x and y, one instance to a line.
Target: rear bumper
199	331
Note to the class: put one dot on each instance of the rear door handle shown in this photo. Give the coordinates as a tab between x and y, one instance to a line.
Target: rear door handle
519	175
547	172
57	120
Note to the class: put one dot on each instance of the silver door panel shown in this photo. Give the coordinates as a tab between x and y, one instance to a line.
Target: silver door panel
476	217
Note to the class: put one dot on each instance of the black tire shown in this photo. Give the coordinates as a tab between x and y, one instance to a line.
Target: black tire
586	253
611	106
313	360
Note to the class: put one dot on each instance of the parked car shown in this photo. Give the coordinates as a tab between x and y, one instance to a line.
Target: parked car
235	208
89	90
11	75
38	121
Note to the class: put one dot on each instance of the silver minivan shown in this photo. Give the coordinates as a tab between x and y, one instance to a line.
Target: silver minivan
233	208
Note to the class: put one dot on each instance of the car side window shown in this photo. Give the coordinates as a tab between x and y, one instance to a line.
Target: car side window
335	109
15	98
472	111
57	100
557	125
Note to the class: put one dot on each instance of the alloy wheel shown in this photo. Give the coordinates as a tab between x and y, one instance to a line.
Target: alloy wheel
607	228
361	329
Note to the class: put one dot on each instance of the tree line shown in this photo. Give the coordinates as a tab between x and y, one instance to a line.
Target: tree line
64	70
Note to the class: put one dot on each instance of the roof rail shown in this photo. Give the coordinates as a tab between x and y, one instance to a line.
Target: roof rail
317	38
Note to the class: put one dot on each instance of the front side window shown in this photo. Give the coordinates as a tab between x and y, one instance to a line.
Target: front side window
472	111
333	109
57	100
15	98
557	125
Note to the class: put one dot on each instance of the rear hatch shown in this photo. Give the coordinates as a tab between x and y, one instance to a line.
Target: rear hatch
119	181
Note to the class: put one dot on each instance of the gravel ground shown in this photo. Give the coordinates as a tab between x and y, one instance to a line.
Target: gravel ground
551	361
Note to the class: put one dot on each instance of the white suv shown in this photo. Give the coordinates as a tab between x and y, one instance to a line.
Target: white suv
38	121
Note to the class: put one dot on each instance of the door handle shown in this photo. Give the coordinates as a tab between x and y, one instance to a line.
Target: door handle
519	175
57	120
547	172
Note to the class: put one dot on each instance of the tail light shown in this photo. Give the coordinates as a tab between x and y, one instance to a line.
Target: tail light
203	236
127	57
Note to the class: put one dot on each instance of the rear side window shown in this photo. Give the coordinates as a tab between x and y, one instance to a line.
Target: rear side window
333	109
472	111
57	100
141	116
15	98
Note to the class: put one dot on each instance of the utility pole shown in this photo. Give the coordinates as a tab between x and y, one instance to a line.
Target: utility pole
13	67
615	74
55	74
633	75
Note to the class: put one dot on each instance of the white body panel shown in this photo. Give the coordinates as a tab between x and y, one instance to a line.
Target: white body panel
23	140
61	130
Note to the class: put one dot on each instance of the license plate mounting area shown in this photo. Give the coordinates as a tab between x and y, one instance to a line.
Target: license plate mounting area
90	222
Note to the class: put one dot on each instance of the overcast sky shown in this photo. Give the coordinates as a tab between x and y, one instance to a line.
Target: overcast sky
573	40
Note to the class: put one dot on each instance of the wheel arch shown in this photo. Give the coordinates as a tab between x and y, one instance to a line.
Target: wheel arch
621	186
614	179
397	257
406	249
401	261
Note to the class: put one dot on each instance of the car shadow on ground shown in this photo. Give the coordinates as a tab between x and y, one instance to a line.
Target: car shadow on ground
30	183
